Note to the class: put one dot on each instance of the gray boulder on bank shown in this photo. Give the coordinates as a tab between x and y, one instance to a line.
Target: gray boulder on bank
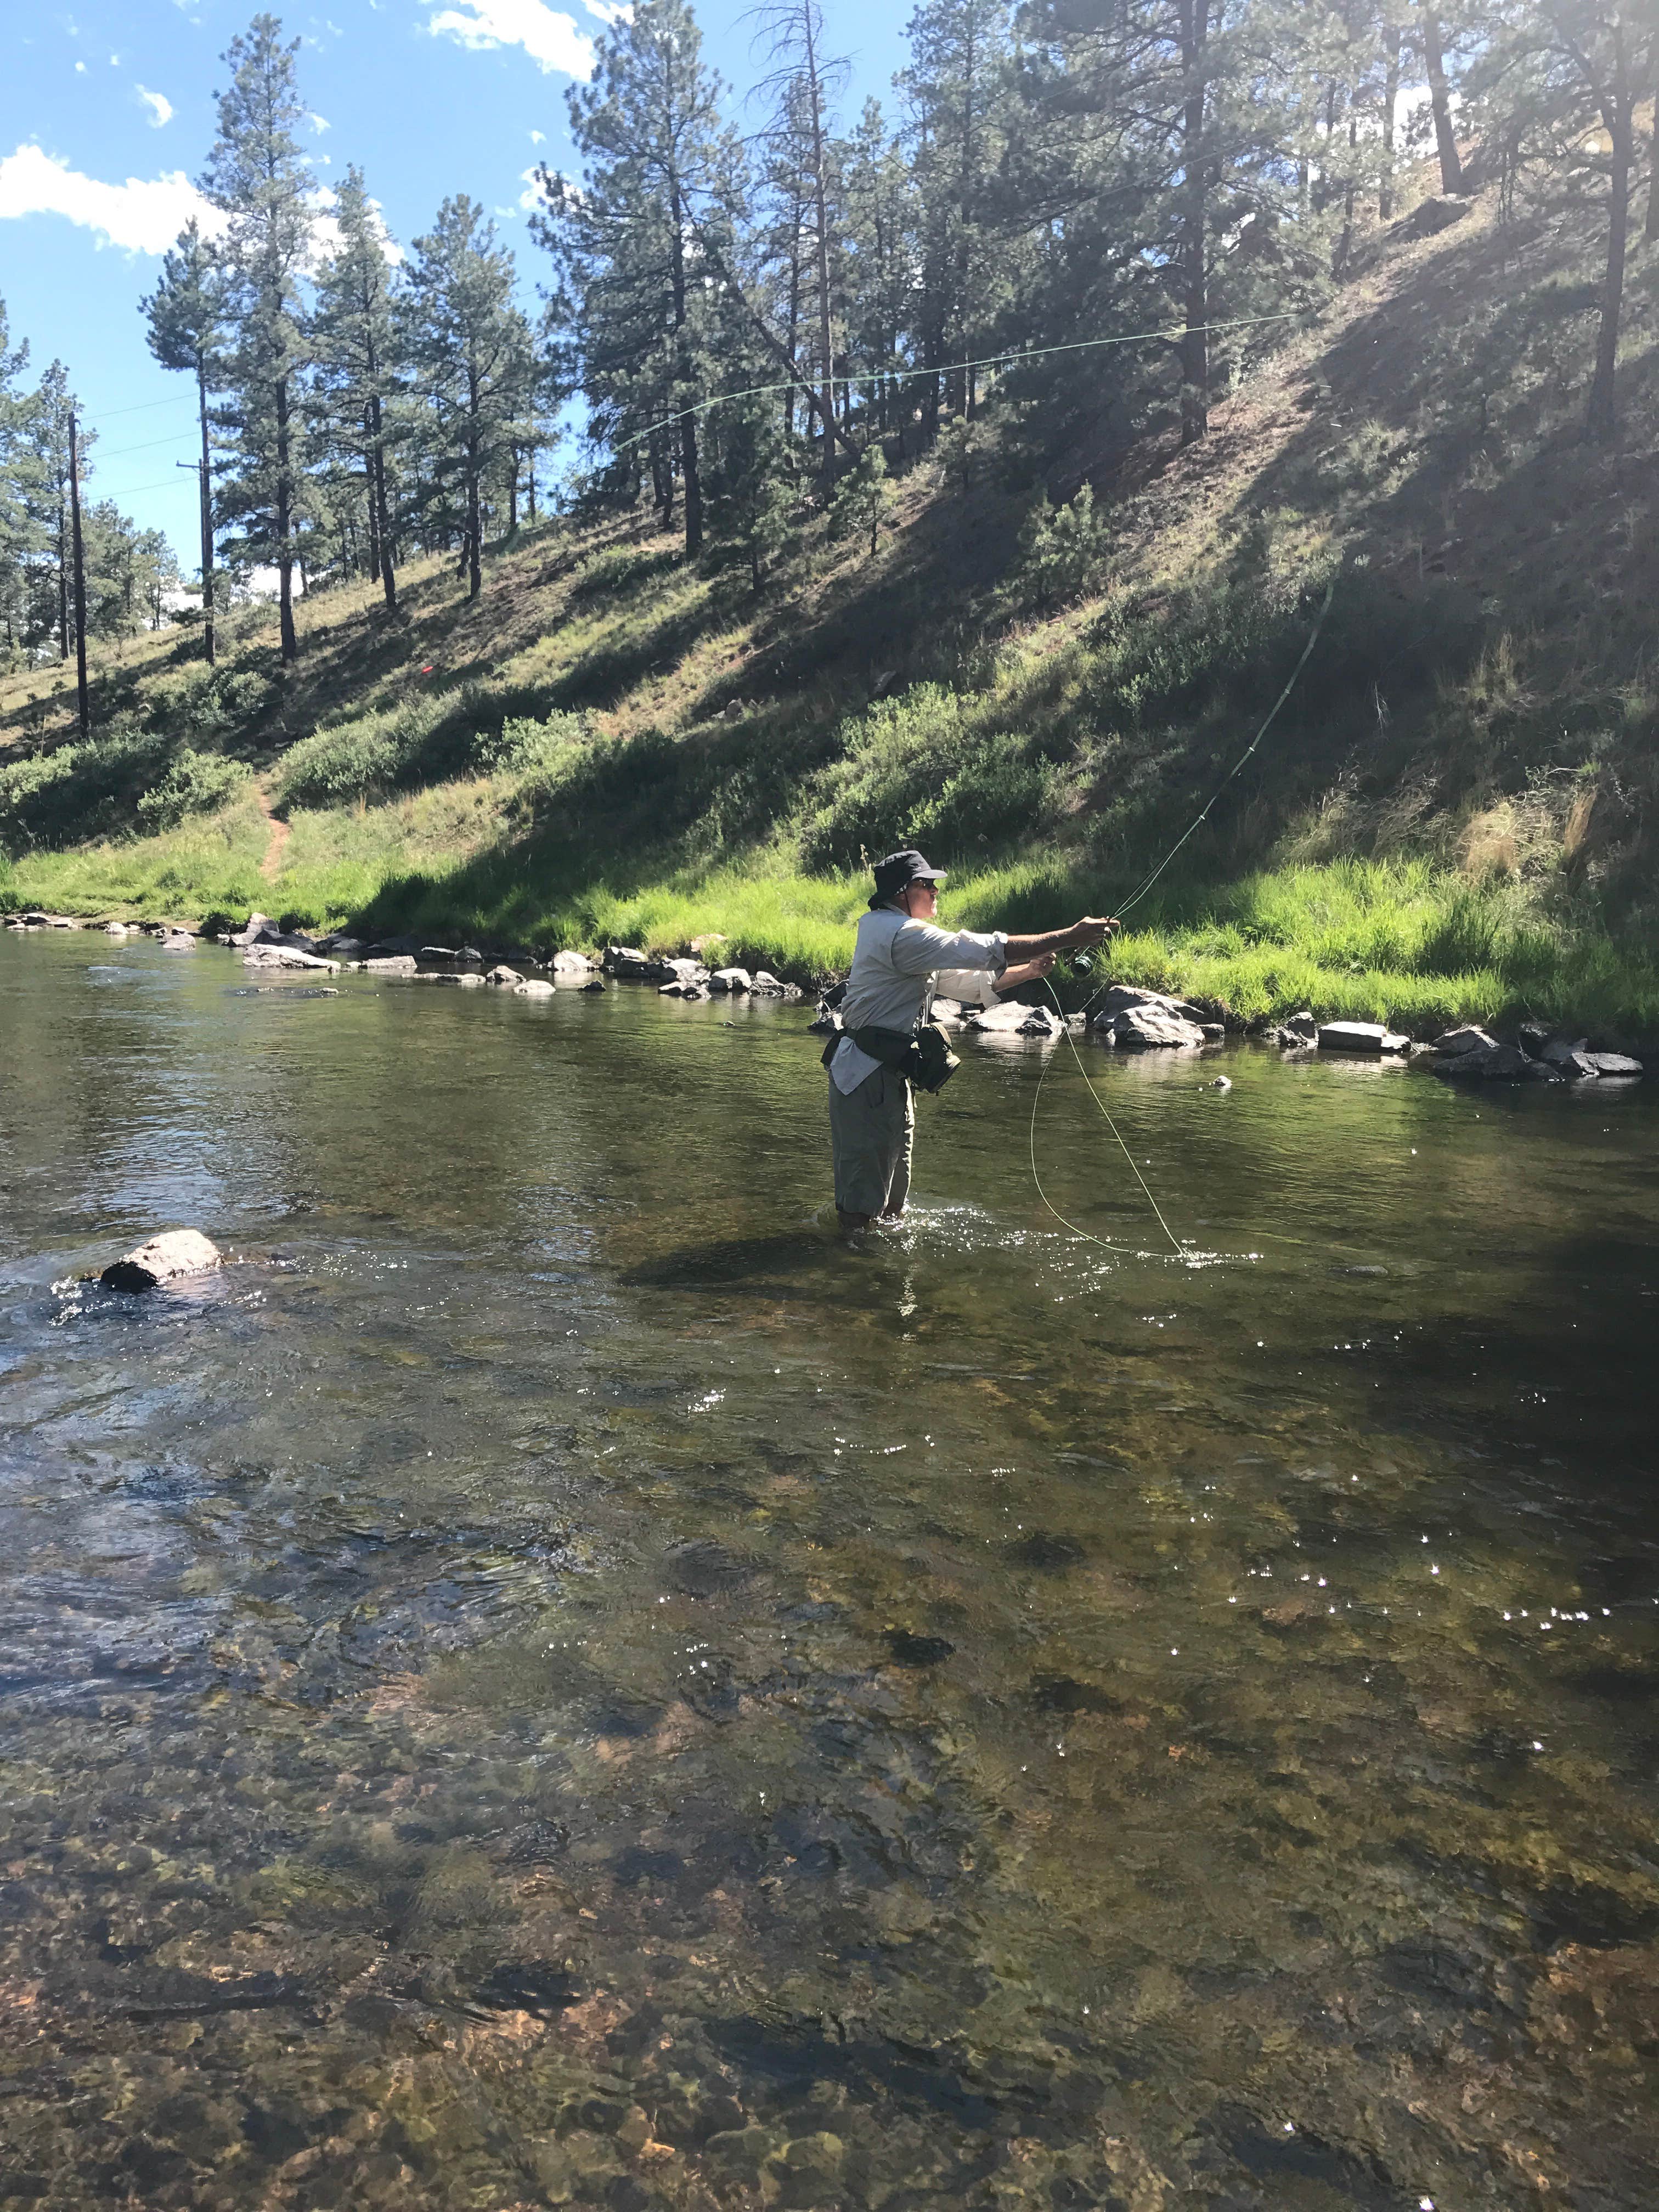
165	1258
730	981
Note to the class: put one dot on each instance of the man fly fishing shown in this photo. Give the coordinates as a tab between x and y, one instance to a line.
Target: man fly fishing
886	1044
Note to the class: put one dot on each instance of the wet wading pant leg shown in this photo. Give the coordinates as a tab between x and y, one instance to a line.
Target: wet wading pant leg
872	1130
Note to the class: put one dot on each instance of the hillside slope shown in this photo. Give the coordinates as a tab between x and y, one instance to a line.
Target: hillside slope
1451	814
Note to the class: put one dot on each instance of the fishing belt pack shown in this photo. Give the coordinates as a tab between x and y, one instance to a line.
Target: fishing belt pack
923	1056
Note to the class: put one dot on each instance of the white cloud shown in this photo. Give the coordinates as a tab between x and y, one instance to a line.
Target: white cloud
319	123
80	68
551	40
609	11
142	215
160	106
538	137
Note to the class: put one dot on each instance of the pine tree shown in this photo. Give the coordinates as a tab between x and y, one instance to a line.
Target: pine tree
883	219
255	177
627	242
470	349
187	318
354	346
958	87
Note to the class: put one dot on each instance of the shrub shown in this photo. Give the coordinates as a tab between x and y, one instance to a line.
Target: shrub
77	791
524	745
919	767
195	783
352	759
1061	550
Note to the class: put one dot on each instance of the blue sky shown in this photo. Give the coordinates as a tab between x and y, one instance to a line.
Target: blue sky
106	114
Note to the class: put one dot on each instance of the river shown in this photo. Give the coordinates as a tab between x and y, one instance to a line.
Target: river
550	1681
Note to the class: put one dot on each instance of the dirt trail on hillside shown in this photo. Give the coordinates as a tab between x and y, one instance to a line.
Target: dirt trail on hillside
280	834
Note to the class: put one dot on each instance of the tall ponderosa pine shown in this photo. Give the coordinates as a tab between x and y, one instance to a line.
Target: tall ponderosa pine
469	347
355	348
801	89
186	314
957	88
627	241
257	178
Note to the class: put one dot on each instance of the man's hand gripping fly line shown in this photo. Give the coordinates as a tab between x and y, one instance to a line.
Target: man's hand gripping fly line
1110	929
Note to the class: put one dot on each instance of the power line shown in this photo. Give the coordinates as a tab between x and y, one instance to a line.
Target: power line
1013	356
177	438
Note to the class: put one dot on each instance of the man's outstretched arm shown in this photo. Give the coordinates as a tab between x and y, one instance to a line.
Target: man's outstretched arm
1089	930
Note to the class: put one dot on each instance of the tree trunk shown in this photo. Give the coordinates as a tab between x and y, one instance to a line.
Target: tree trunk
1390	101
284	528
82	701
685	378
821	218
1195	345
1617	114
63	572
382	514
208	638
1650	228
1451	169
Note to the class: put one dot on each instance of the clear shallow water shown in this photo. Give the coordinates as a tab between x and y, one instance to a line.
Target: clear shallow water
548	1680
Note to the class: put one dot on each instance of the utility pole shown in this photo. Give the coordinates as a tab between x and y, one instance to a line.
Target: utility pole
80	581
204	485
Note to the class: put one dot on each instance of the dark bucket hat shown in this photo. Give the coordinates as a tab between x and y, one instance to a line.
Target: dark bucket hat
900	870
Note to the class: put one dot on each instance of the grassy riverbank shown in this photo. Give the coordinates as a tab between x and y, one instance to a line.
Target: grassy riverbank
1450	817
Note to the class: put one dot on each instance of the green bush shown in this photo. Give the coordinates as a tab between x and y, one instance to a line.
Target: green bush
524	745
921	770
77	791
349	760
195	783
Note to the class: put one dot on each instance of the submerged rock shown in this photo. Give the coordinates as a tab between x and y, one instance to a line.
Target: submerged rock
165	1258
1370	1040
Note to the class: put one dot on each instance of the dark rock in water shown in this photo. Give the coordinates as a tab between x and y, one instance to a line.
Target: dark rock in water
1493	1063
1062	1693
259	925
907	1649
766	985
503	975
1574	1062
537	1842
1614	1063
627	962
1370	1040
532	1985
703	1568
597	984
639	1864
1049	1555
165	1258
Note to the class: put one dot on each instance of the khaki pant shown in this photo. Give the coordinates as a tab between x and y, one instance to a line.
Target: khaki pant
872	1130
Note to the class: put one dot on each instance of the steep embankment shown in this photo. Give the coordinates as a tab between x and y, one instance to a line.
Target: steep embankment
1451	815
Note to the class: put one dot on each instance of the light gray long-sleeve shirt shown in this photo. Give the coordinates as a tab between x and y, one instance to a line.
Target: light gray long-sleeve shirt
894	963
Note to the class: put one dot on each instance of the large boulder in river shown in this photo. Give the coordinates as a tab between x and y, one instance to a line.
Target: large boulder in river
287	956
576	965
503	974
1366	1040
1614	1063
628	964
1467	1038
165	1258
259	925
396	963
1010	1019
729	982
1142	1020
532	986
1487	1063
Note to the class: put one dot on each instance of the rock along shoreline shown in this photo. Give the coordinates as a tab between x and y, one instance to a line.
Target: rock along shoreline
1124	1017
